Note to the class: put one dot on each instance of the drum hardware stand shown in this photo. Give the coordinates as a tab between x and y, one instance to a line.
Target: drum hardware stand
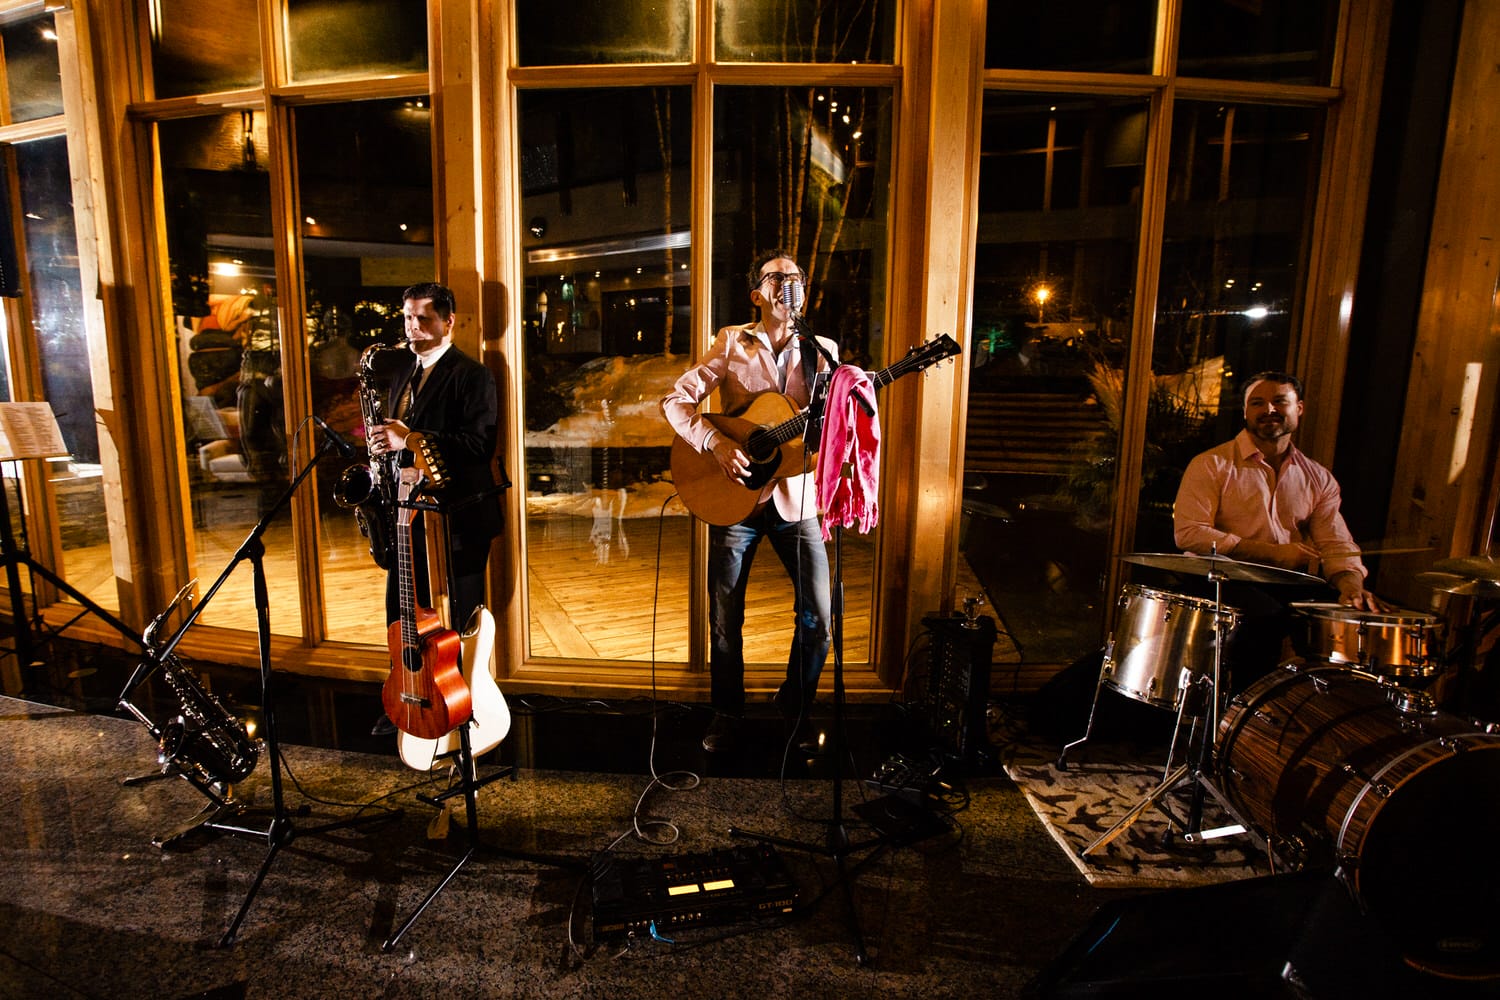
837	843
280	831
1197	773
469	783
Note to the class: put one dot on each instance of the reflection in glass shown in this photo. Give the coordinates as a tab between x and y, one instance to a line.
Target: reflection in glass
57	323
1288	41
606	186
32	73
1086	36
591	32
1241	185
196	54
366	235
807	169
840	31
223	287
1059	209
333	38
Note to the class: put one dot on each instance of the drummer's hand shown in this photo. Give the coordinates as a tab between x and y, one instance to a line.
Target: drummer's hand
1352	593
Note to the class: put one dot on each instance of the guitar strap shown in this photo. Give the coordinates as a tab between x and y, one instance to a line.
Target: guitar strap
809	361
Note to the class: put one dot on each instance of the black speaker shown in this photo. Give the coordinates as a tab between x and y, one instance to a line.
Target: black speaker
1298	934
959	655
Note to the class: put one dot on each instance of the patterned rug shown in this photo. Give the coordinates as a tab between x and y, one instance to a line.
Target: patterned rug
1097	790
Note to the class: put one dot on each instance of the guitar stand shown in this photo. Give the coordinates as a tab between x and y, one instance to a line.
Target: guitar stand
468	786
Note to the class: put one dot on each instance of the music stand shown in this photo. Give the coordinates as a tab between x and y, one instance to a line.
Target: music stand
837	843
280	831
30	431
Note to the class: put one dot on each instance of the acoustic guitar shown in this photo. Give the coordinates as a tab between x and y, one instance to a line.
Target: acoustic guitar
425	694
770	432
491	718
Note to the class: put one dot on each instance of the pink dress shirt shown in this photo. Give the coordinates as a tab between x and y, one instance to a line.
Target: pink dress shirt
1230	492
741	365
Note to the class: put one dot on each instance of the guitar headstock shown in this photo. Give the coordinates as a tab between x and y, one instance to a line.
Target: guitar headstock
425	459
937	349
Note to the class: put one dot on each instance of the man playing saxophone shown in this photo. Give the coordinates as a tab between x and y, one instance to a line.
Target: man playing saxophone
450	399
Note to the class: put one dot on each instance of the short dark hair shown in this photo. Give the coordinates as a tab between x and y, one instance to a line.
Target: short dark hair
1280	378
764	258
441	295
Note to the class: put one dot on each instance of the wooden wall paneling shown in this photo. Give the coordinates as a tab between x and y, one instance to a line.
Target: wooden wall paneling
1321	350
931	292
1442	464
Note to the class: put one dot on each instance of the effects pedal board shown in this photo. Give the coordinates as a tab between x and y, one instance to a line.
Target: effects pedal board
637	895
908	780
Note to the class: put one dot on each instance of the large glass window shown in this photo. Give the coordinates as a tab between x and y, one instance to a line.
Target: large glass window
806	169
1059	189
56	333
366	235
1240	188
606	187
229	343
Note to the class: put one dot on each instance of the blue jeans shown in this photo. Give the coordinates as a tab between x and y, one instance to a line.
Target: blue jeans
731	550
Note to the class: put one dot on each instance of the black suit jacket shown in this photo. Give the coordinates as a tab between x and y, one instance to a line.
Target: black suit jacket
455	410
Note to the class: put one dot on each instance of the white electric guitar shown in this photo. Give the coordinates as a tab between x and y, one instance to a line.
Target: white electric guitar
491	719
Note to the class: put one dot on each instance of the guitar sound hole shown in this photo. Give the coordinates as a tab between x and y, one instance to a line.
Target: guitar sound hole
759	447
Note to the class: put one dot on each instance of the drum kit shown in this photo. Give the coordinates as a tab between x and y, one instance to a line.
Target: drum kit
1339	757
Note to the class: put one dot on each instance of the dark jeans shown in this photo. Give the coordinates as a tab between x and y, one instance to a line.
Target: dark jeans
799	544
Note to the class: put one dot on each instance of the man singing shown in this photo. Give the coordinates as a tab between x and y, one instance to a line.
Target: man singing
744	361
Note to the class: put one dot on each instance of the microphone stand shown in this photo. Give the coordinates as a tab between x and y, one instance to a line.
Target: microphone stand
837	843
280	831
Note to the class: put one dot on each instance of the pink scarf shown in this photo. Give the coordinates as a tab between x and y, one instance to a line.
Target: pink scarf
851	434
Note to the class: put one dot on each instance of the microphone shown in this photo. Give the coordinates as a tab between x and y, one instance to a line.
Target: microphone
344	445
792	296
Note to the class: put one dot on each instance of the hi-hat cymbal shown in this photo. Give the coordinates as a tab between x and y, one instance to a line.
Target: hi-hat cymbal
1473	567
1230	569
1460	585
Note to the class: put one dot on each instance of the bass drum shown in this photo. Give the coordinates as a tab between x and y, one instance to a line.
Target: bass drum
1331	765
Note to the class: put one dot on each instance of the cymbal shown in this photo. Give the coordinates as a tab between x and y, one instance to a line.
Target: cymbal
1473	567
1460	585
1232	569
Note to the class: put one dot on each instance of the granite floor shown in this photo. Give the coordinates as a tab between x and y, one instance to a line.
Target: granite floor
976	900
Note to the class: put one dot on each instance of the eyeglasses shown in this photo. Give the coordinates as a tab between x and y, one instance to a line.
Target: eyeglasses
778	278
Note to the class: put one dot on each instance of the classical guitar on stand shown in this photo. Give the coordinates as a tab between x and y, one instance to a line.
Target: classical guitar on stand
491	714
769	431
425	694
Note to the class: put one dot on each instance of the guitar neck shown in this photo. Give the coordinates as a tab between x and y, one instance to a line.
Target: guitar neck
793	427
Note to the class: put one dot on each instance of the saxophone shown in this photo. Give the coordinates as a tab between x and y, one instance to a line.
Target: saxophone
370	489
205	743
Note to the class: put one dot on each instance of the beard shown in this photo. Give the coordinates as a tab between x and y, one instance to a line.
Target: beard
1270	428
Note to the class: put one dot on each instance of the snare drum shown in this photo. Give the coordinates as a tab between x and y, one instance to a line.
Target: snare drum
1392	644
1161	642
1336	765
